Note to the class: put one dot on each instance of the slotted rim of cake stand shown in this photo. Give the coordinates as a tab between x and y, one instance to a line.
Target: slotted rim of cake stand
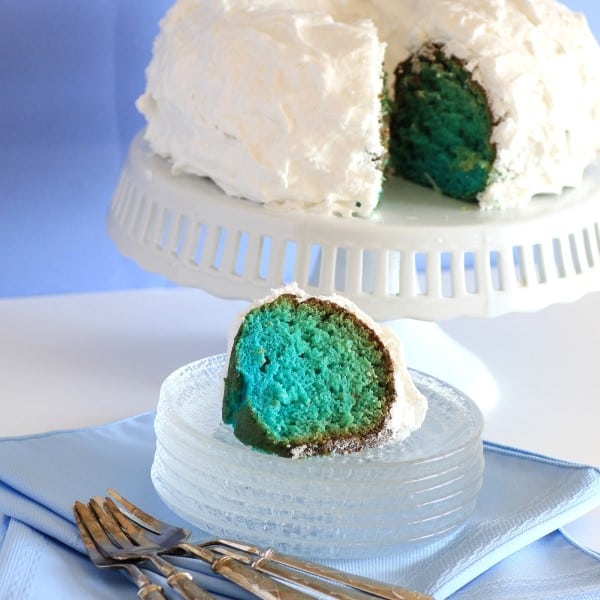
419	256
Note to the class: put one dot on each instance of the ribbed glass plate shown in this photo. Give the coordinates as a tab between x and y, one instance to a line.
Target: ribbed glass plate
413	491
347	509
203	474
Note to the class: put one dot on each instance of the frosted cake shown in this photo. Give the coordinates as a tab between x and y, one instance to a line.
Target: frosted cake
311	104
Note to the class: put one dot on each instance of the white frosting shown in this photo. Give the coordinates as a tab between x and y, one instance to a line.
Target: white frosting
275	104
410	406
277	100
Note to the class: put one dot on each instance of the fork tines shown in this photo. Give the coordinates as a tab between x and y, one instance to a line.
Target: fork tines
270	562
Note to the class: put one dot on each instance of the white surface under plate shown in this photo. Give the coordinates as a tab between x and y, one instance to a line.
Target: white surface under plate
377	500
420	255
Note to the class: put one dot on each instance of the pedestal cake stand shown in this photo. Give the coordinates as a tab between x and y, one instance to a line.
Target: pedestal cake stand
420	258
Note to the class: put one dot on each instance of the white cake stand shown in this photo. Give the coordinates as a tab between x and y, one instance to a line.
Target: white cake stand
420	258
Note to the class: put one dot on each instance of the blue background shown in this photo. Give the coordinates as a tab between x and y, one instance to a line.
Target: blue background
70	71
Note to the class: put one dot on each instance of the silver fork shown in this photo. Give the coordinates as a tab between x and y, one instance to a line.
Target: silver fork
229	567
288	568
146	589
114	543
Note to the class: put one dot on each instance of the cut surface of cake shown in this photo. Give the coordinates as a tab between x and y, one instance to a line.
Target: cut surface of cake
311	375
441	126
299	103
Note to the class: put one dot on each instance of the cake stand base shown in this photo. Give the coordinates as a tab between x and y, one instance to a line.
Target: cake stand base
431	350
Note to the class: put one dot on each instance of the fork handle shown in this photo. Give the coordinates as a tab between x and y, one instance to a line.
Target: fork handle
151	591
364	584
255	582
179	580
184	584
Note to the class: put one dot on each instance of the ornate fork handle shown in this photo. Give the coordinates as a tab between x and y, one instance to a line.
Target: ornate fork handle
179	580
286	568
364	584
244	576
146	589
309	581
151	592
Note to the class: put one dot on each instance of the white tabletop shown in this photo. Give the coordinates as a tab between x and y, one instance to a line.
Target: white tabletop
86	359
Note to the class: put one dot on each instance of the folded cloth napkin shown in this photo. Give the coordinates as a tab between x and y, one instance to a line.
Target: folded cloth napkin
510	547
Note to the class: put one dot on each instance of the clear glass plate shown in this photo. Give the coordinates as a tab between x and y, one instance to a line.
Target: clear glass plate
318	536
203	474
423	488
350	511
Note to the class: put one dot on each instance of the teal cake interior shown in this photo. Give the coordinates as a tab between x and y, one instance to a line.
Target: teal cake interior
306	374
441	125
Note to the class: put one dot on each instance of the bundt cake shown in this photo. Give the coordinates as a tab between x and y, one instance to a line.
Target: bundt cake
312	104
313	375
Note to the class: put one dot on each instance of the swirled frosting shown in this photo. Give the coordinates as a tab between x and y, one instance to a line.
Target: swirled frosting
278	101
275	102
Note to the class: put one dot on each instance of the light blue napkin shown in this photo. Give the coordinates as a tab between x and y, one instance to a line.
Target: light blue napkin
509	548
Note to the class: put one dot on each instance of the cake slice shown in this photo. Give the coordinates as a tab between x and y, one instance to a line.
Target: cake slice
313	375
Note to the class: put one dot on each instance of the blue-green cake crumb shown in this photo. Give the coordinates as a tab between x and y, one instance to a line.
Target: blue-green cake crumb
440	130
